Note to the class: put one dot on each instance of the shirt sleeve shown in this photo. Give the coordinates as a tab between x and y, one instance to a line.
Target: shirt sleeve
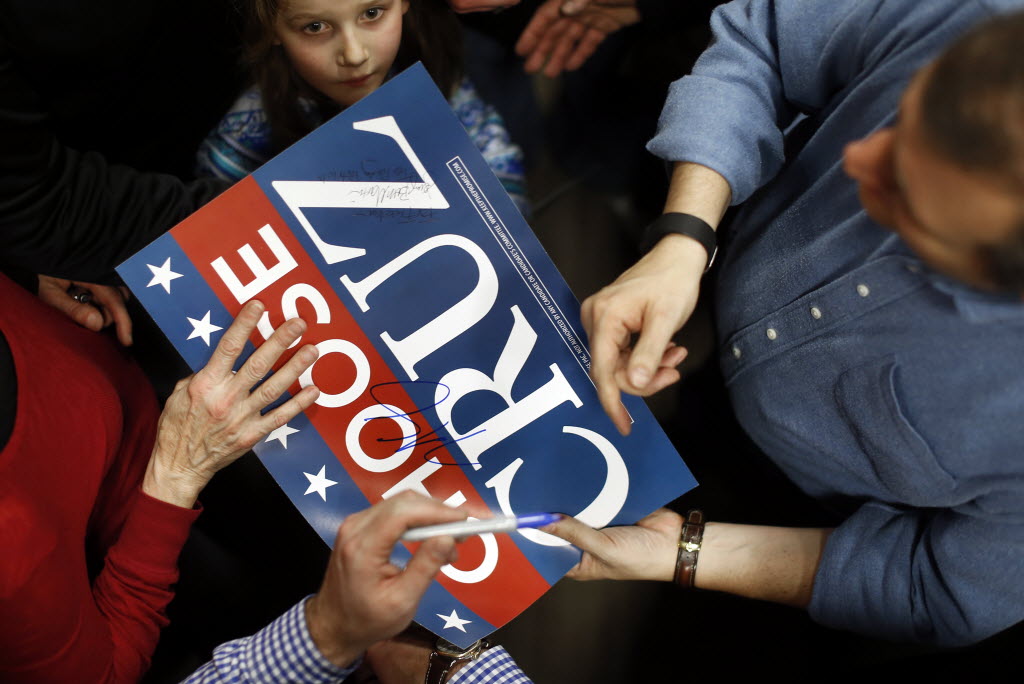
931	575
495	666
487	130
69	213
770	62
239	144
283	651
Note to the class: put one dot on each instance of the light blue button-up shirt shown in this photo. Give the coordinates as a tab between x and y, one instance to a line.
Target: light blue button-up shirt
873	382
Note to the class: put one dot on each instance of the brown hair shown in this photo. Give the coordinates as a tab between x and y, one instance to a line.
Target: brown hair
430	33
972	111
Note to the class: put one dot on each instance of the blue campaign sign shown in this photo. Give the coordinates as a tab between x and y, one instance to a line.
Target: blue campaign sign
452	359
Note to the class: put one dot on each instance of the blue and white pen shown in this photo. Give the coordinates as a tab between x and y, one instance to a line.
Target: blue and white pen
467	528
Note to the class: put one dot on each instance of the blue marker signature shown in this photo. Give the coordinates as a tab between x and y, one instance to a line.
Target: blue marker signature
419	437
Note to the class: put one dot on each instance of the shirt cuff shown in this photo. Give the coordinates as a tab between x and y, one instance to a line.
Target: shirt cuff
284	651
154	533
495	665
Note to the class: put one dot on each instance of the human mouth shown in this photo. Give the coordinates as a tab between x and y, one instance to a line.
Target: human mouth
357	82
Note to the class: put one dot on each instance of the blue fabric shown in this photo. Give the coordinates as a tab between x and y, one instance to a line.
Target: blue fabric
284	651
240	143
876	384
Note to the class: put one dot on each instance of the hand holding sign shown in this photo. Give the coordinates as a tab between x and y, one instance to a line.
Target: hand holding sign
213	417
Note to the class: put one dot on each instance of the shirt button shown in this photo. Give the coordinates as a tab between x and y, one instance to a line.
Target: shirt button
736	352
863	290
770	332
815	312
913	268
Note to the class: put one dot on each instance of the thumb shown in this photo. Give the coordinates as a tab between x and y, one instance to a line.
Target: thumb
578	534
84	315
425	564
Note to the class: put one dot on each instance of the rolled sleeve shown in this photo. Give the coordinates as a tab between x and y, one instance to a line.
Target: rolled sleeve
768	63
934	576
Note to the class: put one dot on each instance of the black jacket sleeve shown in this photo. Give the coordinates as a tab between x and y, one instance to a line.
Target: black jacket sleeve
69	213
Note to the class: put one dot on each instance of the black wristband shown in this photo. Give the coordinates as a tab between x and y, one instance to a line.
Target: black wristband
682	224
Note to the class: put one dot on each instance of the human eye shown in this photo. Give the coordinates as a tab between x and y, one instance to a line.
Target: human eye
314	27
373	13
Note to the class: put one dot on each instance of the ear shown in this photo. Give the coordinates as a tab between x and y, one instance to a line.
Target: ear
405	6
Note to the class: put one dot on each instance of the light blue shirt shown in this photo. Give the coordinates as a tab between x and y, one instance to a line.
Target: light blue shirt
876	384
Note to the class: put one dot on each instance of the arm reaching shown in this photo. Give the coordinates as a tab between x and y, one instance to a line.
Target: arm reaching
653	299
768	563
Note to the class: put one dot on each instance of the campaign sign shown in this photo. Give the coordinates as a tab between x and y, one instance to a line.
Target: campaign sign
452	360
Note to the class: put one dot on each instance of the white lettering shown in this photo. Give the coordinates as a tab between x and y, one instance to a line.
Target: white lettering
463	381
263	276
447	326
601	511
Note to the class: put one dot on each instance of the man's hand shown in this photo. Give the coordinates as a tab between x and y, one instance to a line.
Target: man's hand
563	34
364	597
105	305
465	6
213	417
645	551
654	299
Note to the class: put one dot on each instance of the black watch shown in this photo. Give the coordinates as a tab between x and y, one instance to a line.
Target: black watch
681	224
447	655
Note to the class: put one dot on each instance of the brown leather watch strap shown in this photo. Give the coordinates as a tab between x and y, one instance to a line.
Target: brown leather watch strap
690	538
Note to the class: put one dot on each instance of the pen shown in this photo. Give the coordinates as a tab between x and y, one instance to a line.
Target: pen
467	528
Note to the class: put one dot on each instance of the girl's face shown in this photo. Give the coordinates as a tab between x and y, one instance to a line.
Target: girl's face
342	48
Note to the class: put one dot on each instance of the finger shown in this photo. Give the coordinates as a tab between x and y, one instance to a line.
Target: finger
546	45
586	46
83	314
424	566
112	302
673	356
580	535
655	335
390	519
542	19
261	361
571	7
283	378
565	46
605	354
232	342
285	412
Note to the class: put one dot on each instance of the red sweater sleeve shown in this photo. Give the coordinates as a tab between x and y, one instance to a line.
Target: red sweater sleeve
87	561
133	589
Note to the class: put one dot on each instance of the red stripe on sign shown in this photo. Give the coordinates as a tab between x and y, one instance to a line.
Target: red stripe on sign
393	443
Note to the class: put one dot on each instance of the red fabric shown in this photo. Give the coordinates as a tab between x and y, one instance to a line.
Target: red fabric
86	559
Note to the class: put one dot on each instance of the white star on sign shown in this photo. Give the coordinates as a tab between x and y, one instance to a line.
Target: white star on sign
163	275
453	620
203	328
319	483
281	435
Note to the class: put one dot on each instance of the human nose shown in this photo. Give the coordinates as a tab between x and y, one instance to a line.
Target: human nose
351	52
869	160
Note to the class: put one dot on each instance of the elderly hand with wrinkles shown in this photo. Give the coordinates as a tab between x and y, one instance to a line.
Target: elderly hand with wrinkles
214	416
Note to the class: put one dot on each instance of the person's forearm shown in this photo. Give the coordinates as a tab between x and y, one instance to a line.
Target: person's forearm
767	563
700	191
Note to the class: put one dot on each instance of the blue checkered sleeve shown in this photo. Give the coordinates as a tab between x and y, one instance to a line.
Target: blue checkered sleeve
283	651
495	666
